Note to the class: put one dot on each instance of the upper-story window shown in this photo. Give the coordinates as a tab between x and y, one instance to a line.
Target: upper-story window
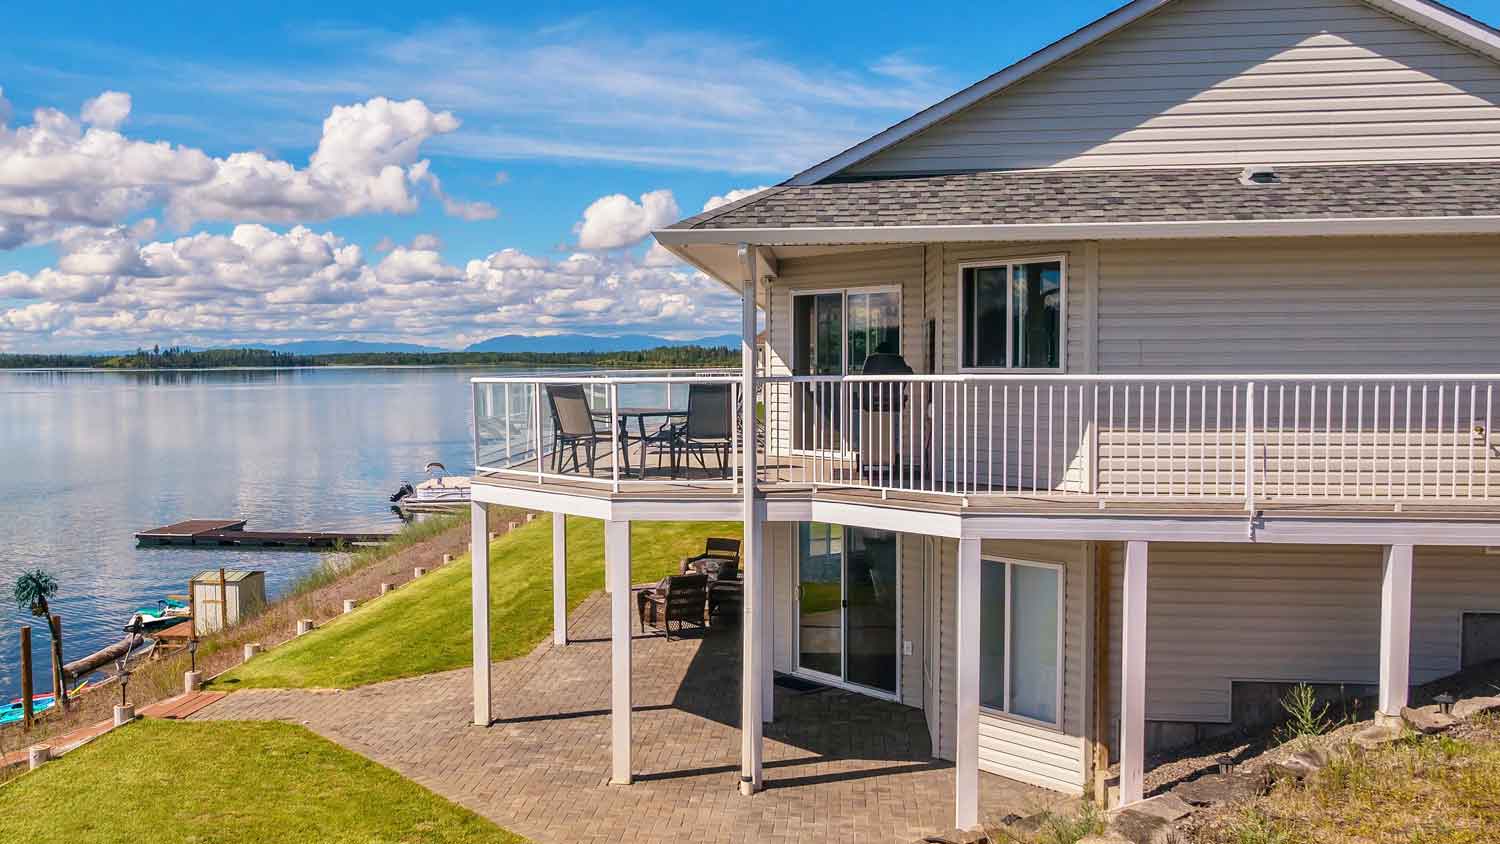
1012	315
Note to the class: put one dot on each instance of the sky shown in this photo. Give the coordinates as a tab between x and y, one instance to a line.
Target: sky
437	173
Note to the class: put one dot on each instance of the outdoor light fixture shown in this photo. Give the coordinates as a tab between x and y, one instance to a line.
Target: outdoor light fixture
193	653
1225	763
122	665
1445	703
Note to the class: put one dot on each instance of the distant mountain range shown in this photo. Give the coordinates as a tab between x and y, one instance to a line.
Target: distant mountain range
341	347
504	343
592	343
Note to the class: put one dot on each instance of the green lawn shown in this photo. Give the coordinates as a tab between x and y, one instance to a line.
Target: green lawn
226	783
424	626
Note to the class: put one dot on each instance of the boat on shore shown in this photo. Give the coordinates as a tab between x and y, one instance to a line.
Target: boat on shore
167	612
439	492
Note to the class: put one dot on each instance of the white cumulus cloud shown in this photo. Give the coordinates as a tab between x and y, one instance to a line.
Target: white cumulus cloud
732	196
617	220
60	172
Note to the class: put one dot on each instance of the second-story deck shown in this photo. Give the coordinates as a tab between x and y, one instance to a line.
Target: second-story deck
1419	445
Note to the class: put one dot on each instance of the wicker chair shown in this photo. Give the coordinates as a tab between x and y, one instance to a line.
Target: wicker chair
680	598
720	559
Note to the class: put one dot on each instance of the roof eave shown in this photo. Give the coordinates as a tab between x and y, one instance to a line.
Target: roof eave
678	240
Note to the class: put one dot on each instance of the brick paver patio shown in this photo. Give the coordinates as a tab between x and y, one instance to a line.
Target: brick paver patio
839	766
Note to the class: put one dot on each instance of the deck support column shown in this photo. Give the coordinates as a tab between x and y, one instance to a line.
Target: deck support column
559	579
479	596
1133	675
768	672
1395	630
752	648
617	553
966	750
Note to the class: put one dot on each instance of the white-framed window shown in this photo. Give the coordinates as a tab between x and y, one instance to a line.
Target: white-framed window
1012	314
1021	639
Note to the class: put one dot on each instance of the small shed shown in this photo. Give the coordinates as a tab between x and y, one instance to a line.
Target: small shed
239	595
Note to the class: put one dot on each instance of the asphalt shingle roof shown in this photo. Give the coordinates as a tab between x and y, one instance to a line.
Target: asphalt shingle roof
1120	196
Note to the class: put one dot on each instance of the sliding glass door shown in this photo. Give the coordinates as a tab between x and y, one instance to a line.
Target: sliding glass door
834	333
848	605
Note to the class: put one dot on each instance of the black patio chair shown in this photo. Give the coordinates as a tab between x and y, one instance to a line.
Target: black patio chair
708	428
574	426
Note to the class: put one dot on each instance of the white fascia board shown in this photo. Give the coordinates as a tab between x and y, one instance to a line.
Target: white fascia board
1034	63
1164	230
1444	22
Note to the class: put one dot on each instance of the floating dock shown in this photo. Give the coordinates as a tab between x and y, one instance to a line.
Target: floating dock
231	533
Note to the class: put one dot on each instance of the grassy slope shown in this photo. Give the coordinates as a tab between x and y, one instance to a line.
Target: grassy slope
424	626
1420	790
225	783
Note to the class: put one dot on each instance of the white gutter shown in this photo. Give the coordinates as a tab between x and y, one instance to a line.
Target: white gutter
672	239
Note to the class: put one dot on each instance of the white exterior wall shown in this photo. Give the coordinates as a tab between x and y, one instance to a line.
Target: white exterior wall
1051	758
1289	613
1229	82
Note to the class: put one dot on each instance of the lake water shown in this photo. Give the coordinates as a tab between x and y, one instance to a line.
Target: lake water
87	458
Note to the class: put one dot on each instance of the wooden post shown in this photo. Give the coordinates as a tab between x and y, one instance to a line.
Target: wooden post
192	613
223	602
28	715
59	686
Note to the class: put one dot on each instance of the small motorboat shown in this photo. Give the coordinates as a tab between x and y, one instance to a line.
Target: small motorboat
166	613
12	713
441	491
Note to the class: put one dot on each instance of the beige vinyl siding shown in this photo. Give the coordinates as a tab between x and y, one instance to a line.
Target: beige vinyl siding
1048	757
1229	82
1220	613
781	551
1300	305
1007	455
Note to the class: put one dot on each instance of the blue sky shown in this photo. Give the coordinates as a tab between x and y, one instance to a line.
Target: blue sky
549	108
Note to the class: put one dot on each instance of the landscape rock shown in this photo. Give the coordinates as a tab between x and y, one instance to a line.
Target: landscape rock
1168	807
958	836
1469	707
1216	789
1376	735
1299	765
1140	827
1427	719
1103	838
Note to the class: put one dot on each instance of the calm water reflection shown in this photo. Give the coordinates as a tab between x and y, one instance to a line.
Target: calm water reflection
88	458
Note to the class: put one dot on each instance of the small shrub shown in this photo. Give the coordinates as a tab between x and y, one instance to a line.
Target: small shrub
1058	828
1304	717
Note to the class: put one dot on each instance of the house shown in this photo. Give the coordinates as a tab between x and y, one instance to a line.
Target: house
1202	310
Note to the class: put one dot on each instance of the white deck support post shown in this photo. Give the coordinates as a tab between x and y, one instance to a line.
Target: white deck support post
966	622
559	579
1133	675
1395	630
617	551
479	596
752	777
767	666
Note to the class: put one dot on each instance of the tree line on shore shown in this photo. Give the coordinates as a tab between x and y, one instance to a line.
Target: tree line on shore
176	358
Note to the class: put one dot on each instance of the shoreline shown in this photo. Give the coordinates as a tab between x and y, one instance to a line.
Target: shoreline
319	594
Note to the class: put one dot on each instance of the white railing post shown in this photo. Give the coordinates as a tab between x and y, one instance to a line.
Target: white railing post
614	438
1250	447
